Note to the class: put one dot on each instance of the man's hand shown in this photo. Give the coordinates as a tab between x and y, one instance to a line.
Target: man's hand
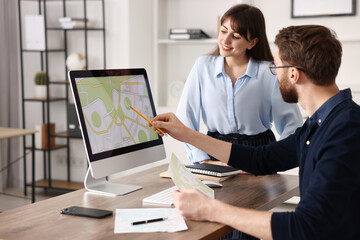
170	124
192	204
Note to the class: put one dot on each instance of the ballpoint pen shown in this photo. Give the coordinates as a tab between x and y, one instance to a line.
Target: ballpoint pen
148	221
147	120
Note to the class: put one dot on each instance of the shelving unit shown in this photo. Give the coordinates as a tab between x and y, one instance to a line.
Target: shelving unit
58	44
173	59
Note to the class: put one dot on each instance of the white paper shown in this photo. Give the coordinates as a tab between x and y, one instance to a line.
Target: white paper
183	178
124	217
34	32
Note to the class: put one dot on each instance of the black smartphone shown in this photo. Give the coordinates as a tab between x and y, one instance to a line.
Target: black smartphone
86	212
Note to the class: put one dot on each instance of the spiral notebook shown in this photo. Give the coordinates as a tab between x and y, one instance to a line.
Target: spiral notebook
213	169
201	177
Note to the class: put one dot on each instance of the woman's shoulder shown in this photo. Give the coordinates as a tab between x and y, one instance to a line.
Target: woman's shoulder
263	63
264	70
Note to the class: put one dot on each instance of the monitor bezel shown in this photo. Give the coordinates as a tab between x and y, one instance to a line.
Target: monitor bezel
93	157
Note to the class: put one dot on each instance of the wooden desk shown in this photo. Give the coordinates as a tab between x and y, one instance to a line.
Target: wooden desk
6	133
42	220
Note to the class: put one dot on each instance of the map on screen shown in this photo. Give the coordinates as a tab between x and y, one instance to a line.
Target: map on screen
109	120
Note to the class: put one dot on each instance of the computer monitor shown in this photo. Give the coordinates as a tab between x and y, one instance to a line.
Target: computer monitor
116	138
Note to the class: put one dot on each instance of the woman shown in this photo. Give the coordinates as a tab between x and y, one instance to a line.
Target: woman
233	88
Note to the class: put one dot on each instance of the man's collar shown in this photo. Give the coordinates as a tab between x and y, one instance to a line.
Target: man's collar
321	114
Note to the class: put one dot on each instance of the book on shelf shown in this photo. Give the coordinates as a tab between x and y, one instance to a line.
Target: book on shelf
213	169
201	177
70	23
74	24
45	135
187	33
70	19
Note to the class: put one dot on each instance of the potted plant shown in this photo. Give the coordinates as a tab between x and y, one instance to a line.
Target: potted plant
41	79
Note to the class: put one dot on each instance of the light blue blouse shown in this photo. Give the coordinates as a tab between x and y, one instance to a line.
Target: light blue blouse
248	108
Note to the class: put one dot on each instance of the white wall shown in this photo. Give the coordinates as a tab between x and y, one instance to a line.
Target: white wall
278	15
117	33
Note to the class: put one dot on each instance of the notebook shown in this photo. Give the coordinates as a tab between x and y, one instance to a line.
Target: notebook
213	169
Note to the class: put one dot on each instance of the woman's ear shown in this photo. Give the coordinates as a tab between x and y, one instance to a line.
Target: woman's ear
252	43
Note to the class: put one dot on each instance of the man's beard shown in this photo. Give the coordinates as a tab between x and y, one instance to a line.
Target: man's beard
288	92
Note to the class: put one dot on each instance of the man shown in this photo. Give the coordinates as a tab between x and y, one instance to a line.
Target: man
326	148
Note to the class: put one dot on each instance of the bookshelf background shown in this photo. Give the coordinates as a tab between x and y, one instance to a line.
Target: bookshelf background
58	44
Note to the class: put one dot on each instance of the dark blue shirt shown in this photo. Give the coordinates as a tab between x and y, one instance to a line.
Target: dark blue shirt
327	150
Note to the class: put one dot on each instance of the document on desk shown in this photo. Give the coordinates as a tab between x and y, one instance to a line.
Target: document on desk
183	178
124	218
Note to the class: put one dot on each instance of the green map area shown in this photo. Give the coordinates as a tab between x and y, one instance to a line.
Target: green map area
110	121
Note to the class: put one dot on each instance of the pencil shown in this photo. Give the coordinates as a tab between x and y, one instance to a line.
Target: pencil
146	119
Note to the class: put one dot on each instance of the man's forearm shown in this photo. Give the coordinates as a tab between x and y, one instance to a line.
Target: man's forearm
214	147
253	222
172	125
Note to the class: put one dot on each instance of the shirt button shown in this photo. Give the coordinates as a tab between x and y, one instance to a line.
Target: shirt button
319	120
307	142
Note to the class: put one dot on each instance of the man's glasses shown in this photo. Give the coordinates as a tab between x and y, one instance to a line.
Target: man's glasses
273	67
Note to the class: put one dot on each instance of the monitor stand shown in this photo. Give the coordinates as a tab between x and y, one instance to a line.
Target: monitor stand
103	186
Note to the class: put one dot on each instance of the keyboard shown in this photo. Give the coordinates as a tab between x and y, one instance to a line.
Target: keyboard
162	198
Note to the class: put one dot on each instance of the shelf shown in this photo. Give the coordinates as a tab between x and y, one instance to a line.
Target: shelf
51	99
49	50
58	184
74	29
191	41
57	146
173	59
52	59
64	135
60	0
59	82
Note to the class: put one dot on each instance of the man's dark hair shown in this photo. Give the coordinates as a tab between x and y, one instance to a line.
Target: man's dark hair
313	48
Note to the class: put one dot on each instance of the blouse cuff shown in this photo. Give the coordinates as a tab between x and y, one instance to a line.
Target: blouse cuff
196	155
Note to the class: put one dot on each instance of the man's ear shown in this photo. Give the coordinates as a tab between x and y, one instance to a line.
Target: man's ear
253	42
294	75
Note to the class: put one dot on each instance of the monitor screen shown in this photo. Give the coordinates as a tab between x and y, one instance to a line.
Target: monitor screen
112	107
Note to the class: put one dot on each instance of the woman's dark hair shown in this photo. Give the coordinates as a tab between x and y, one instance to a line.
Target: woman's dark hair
249	22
